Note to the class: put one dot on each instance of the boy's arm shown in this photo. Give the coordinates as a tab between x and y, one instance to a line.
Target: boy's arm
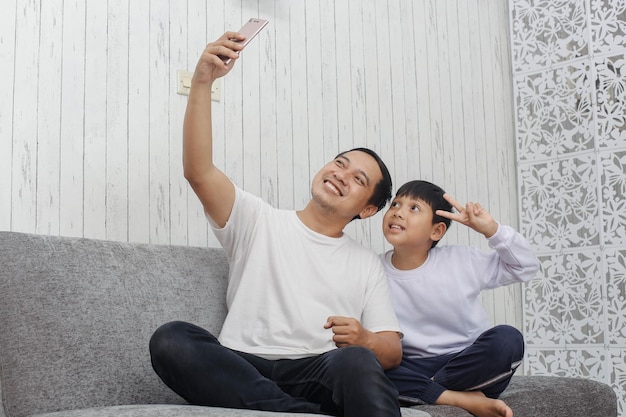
517	261
348	331
215	191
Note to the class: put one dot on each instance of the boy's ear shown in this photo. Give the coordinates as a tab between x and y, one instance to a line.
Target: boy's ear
368	211
438	231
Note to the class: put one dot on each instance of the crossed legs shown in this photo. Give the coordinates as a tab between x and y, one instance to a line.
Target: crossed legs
472	379
347	381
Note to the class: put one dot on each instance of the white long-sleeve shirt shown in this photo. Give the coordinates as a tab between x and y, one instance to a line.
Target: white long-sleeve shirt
437	303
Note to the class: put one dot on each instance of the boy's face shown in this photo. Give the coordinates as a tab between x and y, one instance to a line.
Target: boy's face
346	184
409	222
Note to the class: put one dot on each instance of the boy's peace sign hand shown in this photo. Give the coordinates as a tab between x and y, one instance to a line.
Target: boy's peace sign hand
472	215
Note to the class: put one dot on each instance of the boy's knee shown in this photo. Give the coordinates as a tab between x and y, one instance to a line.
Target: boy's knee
509	333
509	339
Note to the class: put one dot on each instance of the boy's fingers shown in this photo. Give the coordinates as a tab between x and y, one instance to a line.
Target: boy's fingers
449	215
453	202
474	209
446	214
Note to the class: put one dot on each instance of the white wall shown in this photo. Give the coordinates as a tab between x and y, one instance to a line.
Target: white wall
569	62
90	122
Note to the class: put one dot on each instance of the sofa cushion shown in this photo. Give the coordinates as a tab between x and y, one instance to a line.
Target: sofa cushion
554	396
547	396
76	316
187	411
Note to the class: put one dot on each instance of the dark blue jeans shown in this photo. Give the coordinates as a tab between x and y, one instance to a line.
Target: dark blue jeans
344	382
487	365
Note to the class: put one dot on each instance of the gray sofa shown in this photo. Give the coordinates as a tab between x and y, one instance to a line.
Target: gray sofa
76	316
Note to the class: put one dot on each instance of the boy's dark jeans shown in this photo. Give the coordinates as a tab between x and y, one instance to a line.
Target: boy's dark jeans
345	382
487	365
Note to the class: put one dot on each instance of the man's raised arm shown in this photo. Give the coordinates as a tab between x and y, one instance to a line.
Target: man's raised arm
214	189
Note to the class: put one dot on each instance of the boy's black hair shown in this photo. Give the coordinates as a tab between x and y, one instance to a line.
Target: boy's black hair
432	195
382	190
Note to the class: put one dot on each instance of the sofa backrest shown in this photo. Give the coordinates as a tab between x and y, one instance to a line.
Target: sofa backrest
76	316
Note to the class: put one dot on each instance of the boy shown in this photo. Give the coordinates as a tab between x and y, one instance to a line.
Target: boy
451	353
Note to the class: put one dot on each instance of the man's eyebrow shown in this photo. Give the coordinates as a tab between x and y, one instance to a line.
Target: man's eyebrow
367	178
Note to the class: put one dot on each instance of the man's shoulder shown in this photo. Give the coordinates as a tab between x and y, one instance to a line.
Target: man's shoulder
357	246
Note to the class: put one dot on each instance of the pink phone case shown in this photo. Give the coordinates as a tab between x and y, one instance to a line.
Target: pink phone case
250	30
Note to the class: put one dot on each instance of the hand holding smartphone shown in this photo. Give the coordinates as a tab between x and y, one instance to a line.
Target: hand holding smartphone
249	30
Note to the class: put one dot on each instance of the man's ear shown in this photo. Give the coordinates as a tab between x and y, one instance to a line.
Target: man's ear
438	231
368	211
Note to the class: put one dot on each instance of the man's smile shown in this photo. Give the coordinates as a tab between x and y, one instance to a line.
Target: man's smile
333	188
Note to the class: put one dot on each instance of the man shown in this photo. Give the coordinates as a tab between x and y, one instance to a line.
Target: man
310	325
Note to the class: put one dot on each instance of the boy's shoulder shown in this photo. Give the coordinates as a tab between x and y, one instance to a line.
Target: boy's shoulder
452	251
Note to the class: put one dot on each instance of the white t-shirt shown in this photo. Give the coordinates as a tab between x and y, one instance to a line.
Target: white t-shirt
437	303
286	280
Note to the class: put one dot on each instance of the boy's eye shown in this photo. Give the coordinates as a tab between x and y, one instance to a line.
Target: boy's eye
415	208
394	204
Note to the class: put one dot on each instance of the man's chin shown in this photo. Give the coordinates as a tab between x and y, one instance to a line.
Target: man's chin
323	204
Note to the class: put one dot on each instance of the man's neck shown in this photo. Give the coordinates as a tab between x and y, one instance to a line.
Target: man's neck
323	223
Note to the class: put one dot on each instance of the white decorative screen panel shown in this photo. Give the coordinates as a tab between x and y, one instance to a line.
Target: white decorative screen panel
613	192
567	308
611	100
569	77
608	25
616	296
554	112
575	363
559	203
547	32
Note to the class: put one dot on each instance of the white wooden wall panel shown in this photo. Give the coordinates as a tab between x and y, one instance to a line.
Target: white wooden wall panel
116	187
138	136
90	132
71	196
95	128
252	103
49	120
159	155
313	139
8	21
178	186
298	105
284	148
24	160
268	141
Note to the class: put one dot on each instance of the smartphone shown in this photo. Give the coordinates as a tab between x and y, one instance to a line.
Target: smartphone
249	30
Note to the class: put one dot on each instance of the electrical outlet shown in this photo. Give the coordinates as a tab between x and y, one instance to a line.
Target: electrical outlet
183	85
184	82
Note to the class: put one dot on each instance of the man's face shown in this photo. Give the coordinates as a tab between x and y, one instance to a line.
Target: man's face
345	185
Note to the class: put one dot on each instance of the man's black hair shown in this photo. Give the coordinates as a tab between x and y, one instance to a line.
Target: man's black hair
382	190
429	193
